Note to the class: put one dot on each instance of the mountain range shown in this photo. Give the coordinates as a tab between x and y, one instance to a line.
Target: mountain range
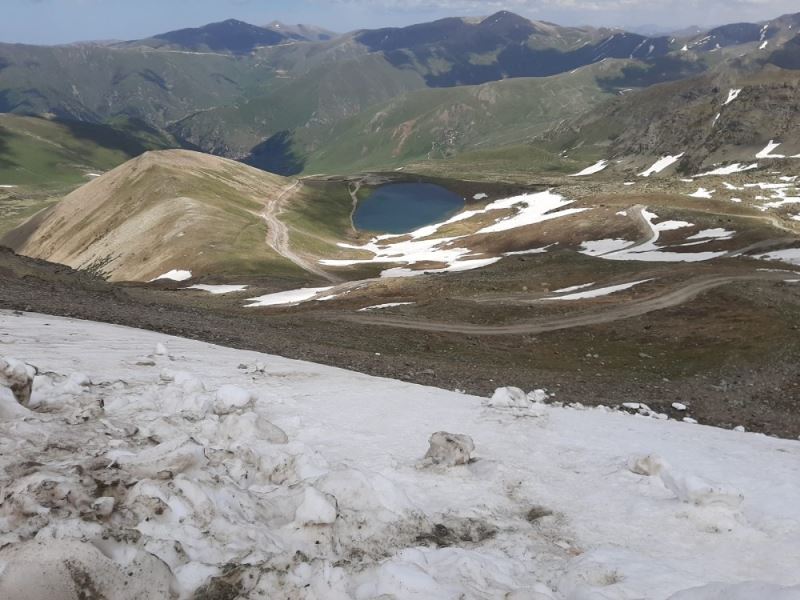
299	99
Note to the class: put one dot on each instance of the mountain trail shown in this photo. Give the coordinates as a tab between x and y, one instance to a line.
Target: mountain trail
674	297
278	234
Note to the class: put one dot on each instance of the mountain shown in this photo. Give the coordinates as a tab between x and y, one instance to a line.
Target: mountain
96	84
302	33
456	51
445	122
236	37
159	212
266	97
704	118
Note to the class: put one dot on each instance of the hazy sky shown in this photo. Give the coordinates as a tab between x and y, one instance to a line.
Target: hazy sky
58	21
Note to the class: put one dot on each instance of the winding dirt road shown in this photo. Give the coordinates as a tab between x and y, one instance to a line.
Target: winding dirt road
278	234
674	297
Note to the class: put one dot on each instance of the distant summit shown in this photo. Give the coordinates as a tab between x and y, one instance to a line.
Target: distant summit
231	36
302	33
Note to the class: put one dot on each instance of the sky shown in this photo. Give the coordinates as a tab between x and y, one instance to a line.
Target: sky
63	21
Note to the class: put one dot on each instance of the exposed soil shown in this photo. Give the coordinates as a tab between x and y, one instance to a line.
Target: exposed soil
729	354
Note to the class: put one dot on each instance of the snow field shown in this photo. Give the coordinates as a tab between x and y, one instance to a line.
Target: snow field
296	480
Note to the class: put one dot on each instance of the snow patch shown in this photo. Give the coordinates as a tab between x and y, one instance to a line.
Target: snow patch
600	291
595	168
218	289
661	164
174	275
290	297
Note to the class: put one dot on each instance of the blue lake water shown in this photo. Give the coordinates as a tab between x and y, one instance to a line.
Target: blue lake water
404	207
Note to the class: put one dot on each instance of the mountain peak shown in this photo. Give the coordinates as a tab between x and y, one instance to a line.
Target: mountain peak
231	35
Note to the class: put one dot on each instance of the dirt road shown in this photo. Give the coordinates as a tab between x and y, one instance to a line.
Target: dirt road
278	234
674	297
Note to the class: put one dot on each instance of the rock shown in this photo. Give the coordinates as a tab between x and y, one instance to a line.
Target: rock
103	506
18	377
449	449
509	397
538	396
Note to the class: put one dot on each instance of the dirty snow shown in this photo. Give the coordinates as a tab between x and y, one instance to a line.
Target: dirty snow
480	196
661	164
595	168
317	485
613	289
175	275
218	289
289	297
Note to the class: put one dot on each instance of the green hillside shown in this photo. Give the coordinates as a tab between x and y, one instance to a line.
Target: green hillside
446	122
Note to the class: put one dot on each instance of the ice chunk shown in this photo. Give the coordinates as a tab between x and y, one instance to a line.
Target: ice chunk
230	398
450	449
509	397
18	377
695	490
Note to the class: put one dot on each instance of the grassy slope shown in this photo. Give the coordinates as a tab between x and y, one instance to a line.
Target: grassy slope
323	95
443	123
95	83
163	211
36	151
45	159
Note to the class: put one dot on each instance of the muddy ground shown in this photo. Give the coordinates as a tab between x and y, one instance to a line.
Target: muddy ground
730	354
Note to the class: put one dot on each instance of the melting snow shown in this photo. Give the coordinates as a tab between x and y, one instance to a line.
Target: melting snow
480	196
218	289
702	193
716	234
648	251
530	209
732	95
573	288
767	151
288	297
661	164
595	168
789	255
730	169
309	482
175	275
382	306
600	291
